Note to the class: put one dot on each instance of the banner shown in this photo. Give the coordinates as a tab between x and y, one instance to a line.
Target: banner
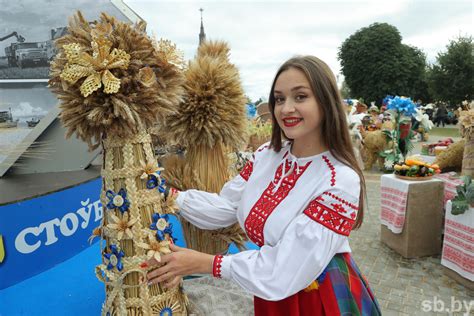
38	234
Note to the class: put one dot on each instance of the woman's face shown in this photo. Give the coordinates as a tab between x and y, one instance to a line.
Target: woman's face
296	110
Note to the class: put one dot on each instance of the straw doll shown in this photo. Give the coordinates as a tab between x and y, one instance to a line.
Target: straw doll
211	122
113	83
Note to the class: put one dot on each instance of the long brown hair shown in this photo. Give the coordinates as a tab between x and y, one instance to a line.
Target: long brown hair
334	129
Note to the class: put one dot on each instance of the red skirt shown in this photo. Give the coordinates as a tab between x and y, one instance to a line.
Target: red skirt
342	290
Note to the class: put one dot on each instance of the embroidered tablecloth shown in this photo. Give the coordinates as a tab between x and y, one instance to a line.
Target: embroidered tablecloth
450	184
394	193
458	245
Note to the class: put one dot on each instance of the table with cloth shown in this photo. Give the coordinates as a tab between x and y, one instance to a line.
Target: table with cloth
411	215
458	245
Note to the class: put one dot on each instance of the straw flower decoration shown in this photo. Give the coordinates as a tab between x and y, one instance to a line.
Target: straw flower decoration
152	173
118	200
96	67
122	225
113	259
155	248
112	79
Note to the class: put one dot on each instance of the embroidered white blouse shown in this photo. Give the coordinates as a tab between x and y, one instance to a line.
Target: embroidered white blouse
300	220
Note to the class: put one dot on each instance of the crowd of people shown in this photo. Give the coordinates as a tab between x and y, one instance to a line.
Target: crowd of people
371	118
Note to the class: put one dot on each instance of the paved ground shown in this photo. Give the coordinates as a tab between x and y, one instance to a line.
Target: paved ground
403	286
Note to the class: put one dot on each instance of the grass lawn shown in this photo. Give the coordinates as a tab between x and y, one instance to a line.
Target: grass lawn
451	131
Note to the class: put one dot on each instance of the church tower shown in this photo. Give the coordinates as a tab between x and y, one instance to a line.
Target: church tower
202	35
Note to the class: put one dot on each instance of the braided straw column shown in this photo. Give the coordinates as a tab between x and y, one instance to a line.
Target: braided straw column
127	292
114	82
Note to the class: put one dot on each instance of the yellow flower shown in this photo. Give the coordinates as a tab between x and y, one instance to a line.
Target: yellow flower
95	68
155	248
122	225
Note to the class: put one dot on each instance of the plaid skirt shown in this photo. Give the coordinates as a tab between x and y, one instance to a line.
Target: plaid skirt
340	290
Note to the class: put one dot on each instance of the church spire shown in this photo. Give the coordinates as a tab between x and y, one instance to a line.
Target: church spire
202	35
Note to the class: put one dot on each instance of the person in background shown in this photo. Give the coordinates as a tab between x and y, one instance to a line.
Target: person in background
441	115
298	199
375	119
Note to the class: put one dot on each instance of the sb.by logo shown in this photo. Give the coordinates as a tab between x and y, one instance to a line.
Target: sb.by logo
2	249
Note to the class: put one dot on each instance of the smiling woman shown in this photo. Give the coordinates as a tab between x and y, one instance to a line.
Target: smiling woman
298	200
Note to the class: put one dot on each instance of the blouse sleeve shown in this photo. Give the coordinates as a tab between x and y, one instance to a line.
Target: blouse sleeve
308	245
213	211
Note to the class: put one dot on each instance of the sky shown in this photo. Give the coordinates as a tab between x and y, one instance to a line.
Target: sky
263	34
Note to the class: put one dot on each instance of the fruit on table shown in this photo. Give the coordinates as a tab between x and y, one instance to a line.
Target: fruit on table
416	168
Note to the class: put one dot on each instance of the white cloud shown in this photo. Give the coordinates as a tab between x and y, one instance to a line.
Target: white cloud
262	34
26	109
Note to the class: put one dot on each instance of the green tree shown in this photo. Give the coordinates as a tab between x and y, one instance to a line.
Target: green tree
376	63
451	77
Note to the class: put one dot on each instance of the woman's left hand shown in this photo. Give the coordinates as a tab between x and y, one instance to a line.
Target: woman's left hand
182	261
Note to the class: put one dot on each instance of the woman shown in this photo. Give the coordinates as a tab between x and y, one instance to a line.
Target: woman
298	200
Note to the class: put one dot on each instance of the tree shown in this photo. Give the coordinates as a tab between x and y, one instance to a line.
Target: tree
376	63
451	77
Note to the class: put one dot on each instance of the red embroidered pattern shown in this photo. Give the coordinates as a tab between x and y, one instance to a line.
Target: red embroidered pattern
247	170
216	266
329	218
260	149
462	259
333	171
267	203
354	207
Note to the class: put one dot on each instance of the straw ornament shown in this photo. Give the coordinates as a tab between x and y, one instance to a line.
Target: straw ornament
466	120
114	83
466	123
209	123
155	248
214	107
140	87
95	68
122	225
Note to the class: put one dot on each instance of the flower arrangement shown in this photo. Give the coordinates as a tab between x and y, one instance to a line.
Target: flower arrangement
401	110
402	106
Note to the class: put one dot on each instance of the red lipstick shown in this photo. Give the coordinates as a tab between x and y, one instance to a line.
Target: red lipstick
291	121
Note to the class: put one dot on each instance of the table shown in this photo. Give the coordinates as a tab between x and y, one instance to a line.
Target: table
411	215
458	245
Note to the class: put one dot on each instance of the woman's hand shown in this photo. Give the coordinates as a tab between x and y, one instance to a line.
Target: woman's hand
182	261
